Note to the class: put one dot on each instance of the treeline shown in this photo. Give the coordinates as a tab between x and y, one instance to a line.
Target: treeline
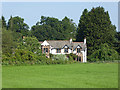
53	29
21	45
103	42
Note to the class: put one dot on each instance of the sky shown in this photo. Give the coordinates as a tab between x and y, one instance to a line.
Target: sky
32	11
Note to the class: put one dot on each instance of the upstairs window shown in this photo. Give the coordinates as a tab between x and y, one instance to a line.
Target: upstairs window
78	50
66	50
45	50
58	50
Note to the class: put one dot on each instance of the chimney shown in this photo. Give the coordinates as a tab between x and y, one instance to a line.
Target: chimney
85	40
70	40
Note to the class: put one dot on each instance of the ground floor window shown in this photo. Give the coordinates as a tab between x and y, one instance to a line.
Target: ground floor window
66	50
78	50
58	50
45	50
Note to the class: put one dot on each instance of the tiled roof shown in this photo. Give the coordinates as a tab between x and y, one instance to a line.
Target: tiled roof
62	43
75	44
59	43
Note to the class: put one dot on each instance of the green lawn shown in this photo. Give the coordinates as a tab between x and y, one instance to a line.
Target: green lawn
61	76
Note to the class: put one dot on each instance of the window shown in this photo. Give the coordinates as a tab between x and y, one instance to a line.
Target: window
66	50
58	50
45	50
78	50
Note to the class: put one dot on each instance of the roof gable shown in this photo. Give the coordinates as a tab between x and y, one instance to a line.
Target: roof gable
45	43
66	46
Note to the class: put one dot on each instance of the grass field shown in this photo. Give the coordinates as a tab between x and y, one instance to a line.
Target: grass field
61	76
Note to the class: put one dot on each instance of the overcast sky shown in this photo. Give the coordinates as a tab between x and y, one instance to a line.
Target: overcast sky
32	11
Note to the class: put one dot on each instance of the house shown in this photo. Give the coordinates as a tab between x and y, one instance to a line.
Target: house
65	47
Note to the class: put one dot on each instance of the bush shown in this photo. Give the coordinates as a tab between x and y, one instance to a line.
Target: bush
59	57
104	53
71	56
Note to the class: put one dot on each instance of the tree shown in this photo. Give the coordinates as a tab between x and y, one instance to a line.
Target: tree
81	26
117	44
96	26
30	44
69	28
17	24
53	29
8	45
104	53
3	22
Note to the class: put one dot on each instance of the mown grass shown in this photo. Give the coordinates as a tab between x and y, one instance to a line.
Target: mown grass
80	75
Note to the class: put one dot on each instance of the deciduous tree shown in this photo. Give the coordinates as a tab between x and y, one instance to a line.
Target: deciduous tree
17	24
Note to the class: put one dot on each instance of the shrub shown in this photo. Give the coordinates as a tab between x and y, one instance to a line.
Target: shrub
104	53
59	57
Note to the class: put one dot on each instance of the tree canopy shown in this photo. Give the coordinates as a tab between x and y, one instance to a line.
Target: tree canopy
30	44
96	26
17	24
53	29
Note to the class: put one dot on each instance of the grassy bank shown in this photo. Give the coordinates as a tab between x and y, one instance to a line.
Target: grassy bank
90	75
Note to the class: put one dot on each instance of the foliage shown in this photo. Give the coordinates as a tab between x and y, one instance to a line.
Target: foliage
117	44
30	44
52	29
17	24
71	56
20	55
3	22
8	45
59	57
96	26
104	53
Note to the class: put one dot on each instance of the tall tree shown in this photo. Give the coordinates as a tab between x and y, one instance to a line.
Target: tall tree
96	26
8	44
17	24
117	44
69	28
81	26
3	22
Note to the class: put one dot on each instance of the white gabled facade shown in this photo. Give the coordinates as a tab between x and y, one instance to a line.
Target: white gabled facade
45	43
66	47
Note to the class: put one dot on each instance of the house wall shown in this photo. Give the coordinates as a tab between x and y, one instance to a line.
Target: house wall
53	51
85	54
